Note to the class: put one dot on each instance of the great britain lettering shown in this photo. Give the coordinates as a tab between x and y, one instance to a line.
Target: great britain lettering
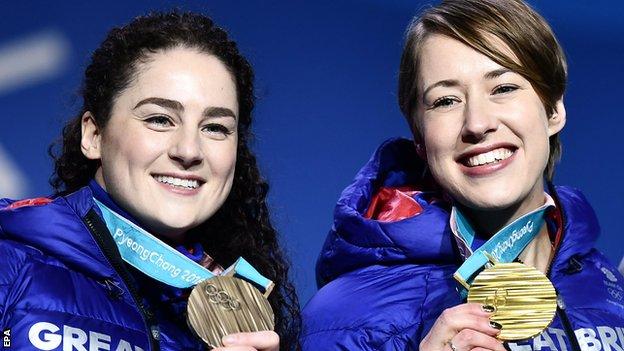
49	336
600	338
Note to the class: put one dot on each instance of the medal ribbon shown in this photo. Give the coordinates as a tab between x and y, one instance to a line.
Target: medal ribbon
160	261
504	246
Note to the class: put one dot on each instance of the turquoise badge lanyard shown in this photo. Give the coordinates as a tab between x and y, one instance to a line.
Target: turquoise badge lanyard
160	261
505	246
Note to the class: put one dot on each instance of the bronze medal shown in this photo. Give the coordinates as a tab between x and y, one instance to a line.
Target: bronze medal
224	305
524	298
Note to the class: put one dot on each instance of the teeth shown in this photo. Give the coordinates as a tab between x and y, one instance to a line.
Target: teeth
489	157
184	183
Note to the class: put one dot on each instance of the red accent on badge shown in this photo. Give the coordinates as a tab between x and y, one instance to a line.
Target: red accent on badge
393	204
29	202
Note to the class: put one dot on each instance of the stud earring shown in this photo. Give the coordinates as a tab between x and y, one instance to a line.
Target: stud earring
420	150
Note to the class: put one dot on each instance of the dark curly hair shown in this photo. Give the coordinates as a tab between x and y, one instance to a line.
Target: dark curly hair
242	226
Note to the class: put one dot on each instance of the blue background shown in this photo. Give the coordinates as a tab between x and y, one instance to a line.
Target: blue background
326	77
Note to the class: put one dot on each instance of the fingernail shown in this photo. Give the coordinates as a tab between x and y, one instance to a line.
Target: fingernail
229	339
488	308
495	325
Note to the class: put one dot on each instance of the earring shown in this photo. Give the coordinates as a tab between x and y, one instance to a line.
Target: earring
420	150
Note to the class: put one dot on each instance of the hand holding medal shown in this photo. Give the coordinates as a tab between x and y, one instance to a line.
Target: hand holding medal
225	305
523	298
506	300
260	341
233	303
462	328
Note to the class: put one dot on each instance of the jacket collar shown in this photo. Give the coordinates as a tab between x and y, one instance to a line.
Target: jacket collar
355	241
56	229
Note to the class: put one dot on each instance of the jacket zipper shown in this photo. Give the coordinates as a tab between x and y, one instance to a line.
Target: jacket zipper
105	241
567	326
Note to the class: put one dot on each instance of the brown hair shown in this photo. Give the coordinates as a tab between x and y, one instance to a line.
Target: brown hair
540	58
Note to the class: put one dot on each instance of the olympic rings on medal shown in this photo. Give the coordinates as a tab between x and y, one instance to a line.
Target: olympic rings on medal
498	300
221	297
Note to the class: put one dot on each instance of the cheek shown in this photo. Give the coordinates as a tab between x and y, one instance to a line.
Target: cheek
138	150
440	140
222	160
532	126
440	160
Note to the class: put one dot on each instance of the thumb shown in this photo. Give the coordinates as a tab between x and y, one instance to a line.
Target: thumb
262	340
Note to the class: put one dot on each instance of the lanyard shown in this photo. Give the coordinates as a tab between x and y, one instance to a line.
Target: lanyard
504	246
160	261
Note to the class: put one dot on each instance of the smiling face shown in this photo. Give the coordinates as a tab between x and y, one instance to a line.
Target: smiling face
484	128
168	151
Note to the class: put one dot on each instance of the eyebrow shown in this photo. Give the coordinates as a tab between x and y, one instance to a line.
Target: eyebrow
496	73
219	112
448	83
170	104
212	111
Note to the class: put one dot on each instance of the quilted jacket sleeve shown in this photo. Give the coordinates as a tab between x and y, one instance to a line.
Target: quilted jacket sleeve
377	308
380	308
13	257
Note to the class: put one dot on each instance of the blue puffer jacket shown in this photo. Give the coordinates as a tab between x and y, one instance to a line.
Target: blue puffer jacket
64	286
384	283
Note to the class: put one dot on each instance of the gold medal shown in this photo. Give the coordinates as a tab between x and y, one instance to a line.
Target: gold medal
224	305
524	298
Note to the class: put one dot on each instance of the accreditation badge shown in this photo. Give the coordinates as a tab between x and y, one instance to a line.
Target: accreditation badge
225	305
524	298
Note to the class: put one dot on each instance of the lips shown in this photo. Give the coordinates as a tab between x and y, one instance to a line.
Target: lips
486	160
183	182
493	156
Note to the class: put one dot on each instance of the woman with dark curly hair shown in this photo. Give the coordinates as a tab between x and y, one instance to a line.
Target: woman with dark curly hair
159	149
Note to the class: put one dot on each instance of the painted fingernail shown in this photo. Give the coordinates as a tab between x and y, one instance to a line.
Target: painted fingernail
229	339
495	325
488	308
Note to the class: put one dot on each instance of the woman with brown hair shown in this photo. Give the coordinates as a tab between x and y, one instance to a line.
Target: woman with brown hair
466	212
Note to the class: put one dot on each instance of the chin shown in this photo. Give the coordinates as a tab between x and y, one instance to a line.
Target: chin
172	231
491	198
490	204
172	225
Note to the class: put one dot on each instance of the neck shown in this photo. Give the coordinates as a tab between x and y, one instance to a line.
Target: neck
168	236
489	222
538	253
172	238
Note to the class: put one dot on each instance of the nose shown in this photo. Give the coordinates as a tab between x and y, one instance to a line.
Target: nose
480	119
186	148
